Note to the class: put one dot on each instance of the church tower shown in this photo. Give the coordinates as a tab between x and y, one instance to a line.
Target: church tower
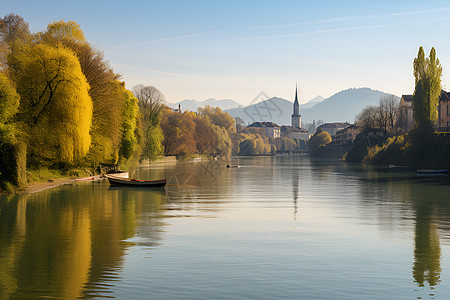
296	117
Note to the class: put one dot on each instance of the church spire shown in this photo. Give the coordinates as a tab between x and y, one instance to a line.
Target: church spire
296	118
296	104
296	98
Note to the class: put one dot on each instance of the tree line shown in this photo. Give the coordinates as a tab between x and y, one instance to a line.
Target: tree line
62	106
73	108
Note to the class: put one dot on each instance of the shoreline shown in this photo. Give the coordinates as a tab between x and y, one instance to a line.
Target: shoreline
35	187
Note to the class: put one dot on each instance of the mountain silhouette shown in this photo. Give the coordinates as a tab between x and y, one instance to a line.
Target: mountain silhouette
341	107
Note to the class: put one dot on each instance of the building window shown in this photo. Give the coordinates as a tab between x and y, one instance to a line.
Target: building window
448	110
448	123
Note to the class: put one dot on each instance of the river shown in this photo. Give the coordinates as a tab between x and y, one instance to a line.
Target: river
287	227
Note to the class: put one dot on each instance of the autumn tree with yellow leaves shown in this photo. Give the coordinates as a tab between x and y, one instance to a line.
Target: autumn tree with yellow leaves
55	110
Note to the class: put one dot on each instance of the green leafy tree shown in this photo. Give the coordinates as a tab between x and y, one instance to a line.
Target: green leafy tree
129	121
154	141
427	73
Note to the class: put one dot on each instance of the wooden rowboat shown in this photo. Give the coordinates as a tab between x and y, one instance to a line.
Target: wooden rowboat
122	174
118	181
85	178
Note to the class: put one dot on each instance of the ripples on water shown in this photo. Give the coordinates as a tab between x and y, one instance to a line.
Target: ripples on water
278	227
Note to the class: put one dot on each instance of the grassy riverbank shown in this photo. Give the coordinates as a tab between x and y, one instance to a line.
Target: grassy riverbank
42	179
413	150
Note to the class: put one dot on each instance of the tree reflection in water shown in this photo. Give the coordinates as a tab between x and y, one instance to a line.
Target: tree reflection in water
427	252
71	241
410	197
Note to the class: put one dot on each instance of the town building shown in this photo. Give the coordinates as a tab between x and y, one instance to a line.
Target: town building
332	128
292	132
178	110
406	115
271	129
443	122
295	131
347	135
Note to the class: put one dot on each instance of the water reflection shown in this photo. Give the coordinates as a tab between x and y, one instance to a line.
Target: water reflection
78	241
416	198
69	242
295	188
194	183
427	251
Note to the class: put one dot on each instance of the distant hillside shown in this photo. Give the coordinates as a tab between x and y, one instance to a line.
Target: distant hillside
275	109
343	106
192	105
312	102
340	107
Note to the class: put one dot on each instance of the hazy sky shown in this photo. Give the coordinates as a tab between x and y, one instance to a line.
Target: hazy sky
237	49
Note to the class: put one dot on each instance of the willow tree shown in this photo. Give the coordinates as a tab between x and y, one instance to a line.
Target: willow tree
9	99
106	89
55	108
428	72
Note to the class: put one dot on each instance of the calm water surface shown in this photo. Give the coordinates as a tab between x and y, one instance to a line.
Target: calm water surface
276	228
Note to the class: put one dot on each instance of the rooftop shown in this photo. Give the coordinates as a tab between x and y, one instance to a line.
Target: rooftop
335	125
444	96
407	98
288	129
263	124
353	126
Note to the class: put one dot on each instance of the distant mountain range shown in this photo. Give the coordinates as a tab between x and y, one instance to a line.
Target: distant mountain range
193	105
340	107
344	105
277	110
312	102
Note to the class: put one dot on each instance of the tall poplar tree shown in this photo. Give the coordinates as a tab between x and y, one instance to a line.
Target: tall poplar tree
428	72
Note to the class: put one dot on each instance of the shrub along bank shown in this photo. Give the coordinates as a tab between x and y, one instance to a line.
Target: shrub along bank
413	149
